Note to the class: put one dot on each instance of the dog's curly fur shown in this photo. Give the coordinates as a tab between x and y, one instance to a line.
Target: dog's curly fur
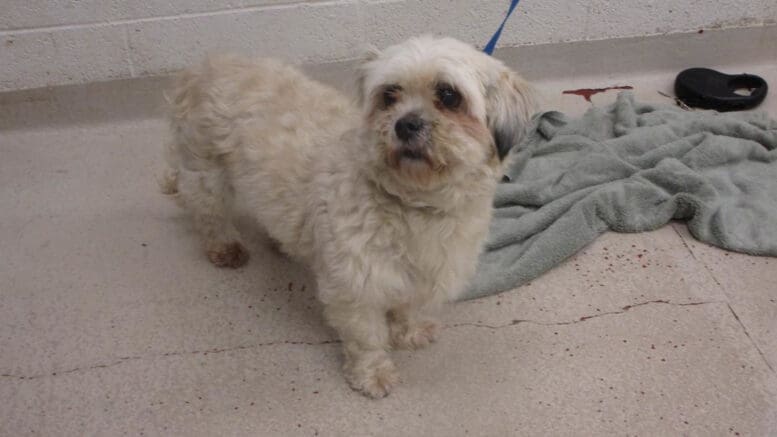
390	222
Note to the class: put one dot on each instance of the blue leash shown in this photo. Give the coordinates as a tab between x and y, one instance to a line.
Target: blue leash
489	49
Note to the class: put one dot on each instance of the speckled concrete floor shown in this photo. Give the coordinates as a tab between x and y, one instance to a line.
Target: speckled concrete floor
113	322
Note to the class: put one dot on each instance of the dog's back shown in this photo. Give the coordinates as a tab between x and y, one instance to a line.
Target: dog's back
207	103
250	130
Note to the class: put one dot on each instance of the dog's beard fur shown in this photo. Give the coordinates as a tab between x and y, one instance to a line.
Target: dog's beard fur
388	200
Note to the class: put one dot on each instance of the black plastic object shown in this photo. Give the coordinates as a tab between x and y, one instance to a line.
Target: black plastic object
710	89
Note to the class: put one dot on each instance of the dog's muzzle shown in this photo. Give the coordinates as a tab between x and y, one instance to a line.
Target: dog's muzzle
412	132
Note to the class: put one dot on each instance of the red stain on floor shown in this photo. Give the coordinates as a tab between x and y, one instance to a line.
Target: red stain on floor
586	93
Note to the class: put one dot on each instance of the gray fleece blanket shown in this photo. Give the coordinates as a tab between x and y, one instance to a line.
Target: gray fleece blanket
631	167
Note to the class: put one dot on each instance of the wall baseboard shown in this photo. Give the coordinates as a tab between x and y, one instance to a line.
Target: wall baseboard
142	98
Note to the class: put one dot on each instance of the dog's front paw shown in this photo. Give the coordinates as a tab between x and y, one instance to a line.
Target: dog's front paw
372	374
231	255
414	335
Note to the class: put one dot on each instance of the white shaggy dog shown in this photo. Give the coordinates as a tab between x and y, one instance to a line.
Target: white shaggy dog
388	200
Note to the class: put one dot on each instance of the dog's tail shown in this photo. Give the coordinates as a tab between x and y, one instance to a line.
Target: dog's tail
189	128
168	181
200	117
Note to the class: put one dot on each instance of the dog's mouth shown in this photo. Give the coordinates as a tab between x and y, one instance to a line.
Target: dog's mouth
411	153
416	167
407	155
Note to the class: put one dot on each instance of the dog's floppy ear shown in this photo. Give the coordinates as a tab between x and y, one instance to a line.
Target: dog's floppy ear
370	54
510	104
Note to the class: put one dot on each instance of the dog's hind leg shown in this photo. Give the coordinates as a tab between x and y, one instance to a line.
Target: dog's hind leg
206	195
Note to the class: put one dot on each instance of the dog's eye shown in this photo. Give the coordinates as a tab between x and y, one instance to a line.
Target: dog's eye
390	95
448	97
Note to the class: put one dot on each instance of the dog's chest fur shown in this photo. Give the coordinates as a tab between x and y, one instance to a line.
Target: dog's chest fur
374	248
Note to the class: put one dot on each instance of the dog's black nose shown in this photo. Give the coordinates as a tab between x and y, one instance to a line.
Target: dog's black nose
408	127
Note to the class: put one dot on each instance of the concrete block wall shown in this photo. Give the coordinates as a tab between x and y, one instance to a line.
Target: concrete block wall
57	42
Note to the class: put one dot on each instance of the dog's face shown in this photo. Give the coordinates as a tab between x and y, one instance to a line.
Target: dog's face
438	109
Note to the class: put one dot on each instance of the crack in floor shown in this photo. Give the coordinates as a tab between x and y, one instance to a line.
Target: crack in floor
725	292
760	352
585	318
514	322
706	267
122	360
